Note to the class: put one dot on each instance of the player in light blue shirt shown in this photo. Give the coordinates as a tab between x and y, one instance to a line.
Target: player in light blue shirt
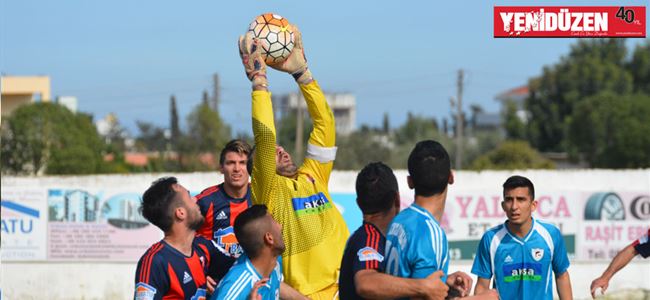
416	245
240	279
259	270
524	253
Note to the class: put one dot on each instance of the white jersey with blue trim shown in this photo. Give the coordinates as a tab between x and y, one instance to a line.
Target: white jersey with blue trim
416	245
522	267
239	281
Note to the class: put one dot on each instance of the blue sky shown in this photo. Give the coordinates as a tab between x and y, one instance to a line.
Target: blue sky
128	57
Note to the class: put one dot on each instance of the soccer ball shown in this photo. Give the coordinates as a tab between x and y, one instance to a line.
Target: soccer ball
275	35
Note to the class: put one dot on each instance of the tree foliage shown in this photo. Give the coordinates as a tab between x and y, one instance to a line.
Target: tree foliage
47	137
512	155
206	130
592	66
515	128
612	131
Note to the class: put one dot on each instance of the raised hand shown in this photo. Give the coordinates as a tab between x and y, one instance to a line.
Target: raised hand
251	55
296	63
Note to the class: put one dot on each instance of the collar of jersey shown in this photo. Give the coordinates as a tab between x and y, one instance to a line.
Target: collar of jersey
252	270
515	237
424	212
233	199
175	251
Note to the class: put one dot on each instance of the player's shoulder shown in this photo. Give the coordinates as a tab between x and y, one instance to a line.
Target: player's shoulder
154	255
490	233
208	191
549	227
201	241
360	236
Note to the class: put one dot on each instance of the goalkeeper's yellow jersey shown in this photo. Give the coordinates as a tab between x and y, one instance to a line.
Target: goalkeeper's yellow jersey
314	231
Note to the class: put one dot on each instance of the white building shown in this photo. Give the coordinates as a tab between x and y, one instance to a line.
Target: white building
343	106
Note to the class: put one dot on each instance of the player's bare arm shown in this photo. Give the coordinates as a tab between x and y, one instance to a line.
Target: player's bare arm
564	286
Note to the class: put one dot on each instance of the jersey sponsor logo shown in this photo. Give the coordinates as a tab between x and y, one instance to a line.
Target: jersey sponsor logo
313	204
144	291
369	253
522	272
221	216
186	277
226	242
199	295
508	259
537	253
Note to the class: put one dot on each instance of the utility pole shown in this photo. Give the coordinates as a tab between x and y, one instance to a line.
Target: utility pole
216	94
459	121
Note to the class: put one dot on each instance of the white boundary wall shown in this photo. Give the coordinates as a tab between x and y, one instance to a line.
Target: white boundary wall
40	276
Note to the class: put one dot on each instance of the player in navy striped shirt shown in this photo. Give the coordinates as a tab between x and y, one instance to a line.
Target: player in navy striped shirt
363	262
222	203
175	267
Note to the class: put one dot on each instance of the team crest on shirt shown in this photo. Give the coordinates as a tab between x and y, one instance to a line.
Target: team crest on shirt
537	253
144	291
369	253
227	243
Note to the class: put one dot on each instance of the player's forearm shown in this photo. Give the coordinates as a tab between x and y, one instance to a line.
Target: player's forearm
620	260
482	285
375	285
324	132
564	286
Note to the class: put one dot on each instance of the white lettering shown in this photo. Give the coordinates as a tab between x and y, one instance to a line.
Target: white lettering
601	22
506	18
576	22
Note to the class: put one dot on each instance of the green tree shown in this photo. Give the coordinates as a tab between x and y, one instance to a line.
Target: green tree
416	128
174	125
514	126
512	155
48	137
592	66
385	124
639	67
362	147
206	131
612	131
150	137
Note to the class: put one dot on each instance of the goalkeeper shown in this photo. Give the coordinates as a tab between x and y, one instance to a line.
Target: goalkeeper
314	230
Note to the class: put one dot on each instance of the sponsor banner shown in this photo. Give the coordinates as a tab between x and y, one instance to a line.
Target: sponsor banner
24	217
96	218
569	21
611	221
97	225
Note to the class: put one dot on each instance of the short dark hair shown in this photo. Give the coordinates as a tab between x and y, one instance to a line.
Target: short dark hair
429	168
517	181
237	146
250	237
159	201
376	188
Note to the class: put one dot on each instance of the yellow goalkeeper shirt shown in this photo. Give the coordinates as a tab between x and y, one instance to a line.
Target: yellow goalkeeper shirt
314	231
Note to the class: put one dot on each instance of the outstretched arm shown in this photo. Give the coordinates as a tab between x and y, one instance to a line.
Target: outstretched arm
320	149
620	260
263	174
371	284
